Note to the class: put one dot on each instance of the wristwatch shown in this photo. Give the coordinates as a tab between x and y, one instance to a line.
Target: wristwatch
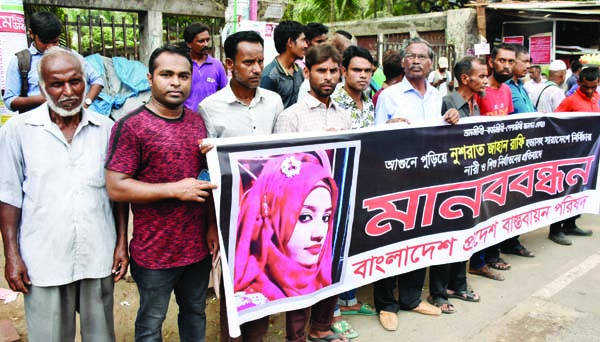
88	101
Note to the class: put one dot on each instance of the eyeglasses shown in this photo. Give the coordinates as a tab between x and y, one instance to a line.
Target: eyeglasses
413	56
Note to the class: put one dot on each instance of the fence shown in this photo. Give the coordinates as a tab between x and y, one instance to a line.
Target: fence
116	30
120	38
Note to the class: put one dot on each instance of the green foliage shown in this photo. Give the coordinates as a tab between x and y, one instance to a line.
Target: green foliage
306	11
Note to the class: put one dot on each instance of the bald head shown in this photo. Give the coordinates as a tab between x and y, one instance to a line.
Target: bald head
557	76
59	53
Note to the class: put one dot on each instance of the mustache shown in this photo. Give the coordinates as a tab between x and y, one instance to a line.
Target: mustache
67	98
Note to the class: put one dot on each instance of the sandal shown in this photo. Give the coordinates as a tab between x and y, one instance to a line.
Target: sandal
498	263
328	338
486	272
519	250
443	304
365	309
467	296
345	329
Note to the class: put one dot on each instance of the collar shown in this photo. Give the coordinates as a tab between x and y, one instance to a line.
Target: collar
406	87
33	50
457	98
231	98
519	83
40	117
284	70
584	97
312	102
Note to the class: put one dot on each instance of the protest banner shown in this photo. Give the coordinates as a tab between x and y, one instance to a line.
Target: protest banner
392	199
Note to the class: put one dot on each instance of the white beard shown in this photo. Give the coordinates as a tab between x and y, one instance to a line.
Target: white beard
58	110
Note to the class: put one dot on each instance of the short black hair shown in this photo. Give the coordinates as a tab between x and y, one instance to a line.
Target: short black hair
355	51
392	65
520	49
45	25
192	31
344	33
465	65
576	66
320	53
503	46
589	74
537	67
231	43
166	49
287	29
314	30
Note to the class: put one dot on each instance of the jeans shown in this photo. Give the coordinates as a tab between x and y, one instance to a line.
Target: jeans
190	284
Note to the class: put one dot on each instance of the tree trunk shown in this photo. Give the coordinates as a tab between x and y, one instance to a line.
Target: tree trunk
331	11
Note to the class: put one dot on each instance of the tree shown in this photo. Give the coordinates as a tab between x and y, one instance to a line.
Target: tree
325	11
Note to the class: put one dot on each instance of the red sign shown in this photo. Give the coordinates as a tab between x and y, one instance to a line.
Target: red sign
514	40
540	49
12	22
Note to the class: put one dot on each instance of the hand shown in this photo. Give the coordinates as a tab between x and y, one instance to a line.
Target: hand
191	189
212	239
396	120
120	261
16	275
452	116
205	148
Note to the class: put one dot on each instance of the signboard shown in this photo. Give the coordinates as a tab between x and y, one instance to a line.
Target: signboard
514	40
540	48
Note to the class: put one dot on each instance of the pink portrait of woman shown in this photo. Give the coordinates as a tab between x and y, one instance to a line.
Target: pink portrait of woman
285	228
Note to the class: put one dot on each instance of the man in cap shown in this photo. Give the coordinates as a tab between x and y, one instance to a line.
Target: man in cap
441	78
551	94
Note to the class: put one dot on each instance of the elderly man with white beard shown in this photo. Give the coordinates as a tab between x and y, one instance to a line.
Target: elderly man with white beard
65	243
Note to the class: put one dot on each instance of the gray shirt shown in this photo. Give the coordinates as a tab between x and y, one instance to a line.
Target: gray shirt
225	116
67	230
310	114
455	100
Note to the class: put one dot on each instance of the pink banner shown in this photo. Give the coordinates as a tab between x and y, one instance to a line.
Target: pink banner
12	22
514	40
540	49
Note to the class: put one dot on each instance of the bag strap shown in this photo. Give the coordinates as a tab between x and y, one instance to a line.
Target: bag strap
24	62
540	95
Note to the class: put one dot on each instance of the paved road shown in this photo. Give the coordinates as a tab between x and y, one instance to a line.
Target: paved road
552	297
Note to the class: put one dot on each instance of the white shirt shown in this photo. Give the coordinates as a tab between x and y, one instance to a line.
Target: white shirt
225	116
533	89
310	114
402	100
67	230
435	75
550	98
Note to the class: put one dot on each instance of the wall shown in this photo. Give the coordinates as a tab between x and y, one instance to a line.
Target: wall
460	27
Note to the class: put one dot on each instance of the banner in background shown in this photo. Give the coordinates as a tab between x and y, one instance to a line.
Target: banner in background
540	48
13	38
306	216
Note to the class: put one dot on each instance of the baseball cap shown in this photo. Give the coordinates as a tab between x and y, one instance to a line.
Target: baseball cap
443	62
558	65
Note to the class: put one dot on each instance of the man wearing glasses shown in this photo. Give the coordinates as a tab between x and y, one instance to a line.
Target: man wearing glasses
411	100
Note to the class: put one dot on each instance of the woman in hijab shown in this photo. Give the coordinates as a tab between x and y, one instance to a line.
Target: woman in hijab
285	227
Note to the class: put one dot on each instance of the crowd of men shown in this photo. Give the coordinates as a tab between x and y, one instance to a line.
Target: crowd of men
70	176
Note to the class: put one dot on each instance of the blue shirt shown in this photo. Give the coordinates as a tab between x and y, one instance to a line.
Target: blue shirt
13	77
521	101
402	100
